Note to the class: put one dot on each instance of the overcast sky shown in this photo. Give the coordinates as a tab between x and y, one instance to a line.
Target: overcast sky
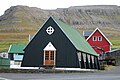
53	4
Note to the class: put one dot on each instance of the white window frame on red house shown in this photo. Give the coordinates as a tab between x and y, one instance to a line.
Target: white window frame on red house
94	38
99	38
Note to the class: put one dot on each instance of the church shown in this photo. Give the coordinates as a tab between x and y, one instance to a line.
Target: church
58	45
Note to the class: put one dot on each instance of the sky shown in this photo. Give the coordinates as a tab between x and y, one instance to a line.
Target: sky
53	4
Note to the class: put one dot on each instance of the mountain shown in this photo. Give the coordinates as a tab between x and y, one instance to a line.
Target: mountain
18	22
20	17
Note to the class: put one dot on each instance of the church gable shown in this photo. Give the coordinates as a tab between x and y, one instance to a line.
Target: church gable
50	33
56	44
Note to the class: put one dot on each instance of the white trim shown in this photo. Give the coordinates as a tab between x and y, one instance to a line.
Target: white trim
74	69
101	33
110	48
54	58
88	56
19	67
79	56
66	69
84	56
50	47
83	33
9	48
30	37
92	57
44	59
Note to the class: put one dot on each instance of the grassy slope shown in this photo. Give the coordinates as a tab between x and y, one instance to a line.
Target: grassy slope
21	37
22	21
13	37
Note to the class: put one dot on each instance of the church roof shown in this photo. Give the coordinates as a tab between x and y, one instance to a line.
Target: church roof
75	37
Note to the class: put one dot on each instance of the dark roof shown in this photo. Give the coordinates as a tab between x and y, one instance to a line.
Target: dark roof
16	48
87	33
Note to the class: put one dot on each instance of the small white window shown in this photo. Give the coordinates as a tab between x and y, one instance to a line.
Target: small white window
99	38
94	38
50	30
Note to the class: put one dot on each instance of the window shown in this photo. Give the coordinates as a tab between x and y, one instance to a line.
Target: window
49	55
52	55
99	38
50	30
94	38
46	55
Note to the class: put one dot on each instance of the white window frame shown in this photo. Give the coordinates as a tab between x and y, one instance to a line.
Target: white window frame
99	38
95	38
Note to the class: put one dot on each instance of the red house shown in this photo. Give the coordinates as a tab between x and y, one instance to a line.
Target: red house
98	41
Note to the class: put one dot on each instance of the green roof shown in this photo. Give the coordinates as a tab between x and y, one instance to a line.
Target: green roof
16	48
76	38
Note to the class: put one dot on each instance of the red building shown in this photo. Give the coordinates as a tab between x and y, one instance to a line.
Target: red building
98	41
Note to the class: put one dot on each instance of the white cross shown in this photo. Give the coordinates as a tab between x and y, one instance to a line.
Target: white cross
50	30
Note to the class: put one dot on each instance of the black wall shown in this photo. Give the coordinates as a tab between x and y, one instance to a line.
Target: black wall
66	55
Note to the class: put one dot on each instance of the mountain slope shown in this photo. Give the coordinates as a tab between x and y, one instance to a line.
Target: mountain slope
19	21
86	16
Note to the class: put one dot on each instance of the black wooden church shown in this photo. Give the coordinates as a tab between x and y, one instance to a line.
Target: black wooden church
59	45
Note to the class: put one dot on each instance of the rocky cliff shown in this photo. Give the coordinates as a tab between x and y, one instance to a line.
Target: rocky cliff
23	17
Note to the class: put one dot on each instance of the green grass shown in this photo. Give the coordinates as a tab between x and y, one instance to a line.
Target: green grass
13	37
118	47
4	45
116	43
